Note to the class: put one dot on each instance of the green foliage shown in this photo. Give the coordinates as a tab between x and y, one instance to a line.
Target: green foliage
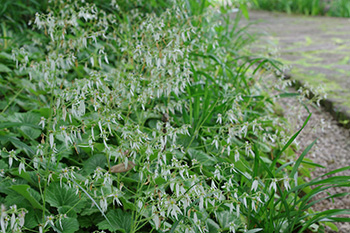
146	116
338	8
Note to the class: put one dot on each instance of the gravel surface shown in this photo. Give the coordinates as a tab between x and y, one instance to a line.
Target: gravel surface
332	149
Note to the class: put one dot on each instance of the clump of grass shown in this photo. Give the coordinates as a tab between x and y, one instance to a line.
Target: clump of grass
121	118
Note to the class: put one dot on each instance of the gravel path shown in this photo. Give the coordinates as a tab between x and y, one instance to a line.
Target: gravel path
332	149
299	38
299	41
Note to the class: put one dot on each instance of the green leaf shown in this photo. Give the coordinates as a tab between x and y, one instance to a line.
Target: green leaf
29	118
68	225
4	69
31	121
16	199
67	210
244	10
127	205
121	221
3	165
202	157
225	217
30	133
213	226
300	159
254	230
17	143
97	160
58	196
9	124
290	141
28	193
89	220
31	218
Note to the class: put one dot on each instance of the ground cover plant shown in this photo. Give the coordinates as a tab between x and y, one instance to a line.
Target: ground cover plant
146	116
337	8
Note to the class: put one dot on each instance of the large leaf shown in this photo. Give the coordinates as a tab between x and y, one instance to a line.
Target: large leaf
3	165
58	196
28	193
4	69
212	226
202	157
225	218
120	221
31	121
97	160
68	225
32	218
10	124
17	143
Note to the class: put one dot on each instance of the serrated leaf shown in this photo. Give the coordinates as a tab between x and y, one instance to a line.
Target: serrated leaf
30	132
97	160
30	122
31	218
16	124
58	196
14	199
121	221
27	193
85	221
29	118
127	205
225	218
202	157
3	165
68	211
213	226
68	225
18	144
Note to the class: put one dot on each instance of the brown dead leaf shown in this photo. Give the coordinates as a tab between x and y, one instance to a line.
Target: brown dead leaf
119	168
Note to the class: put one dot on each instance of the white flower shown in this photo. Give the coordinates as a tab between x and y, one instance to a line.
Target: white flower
255	185
12	156
245	200
217	172
21	167
216	142
173	209
156	220
286	183
42	122
273	185
116	196
254	204
21	216
49	220
232	227
51	139
236	155
103	204
219	120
